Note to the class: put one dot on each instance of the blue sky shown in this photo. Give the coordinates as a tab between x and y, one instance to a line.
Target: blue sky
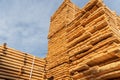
24	24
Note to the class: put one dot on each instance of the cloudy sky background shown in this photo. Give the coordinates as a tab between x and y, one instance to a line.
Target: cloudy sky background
24	24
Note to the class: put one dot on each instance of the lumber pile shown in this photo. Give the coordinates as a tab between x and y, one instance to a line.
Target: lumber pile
86	46
16	65
57	57
94	43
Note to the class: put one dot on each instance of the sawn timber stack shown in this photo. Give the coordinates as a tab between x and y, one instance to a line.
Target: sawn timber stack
16	65
87	41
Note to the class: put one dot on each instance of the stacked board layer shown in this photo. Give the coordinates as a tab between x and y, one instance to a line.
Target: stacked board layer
16	65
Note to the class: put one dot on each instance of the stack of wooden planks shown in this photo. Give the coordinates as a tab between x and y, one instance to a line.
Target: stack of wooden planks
57	58
94	43
16	65
87	45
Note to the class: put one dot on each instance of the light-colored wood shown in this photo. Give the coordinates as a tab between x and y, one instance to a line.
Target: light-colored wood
88	44
17	65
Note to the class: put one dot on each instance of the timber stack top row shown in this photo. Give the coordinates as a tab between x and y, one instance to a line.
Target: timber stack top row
83	44
16	65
